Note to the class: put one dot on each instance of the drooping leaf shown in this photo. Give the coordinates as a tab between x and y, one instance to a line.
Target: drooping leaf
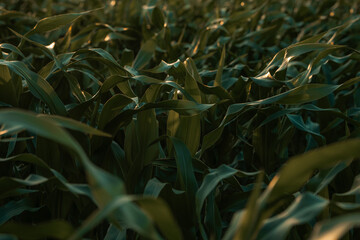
299	168
335	228
54	22
209	183
38	86
14	208
304	208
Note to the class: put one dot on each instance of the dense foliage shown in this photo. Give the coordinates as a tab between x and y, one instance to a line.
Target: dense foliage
179	119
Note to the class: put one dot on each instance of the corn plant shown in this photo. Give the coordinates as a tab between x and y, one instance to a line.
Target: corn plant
178	119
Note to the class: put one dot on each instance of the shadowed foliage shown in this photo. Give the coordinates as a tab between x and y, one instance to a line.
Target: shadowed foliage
178	119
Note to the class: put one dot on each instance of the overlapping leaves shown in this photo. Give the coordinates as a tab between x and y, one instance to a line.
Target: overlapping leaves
179	120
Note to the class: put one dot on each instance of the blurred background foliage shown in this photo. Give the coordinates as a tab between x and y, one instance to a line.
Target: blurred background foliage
179	119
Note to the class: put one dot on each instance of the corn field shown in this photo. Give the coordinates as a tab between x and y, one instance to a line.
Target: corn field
179	119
